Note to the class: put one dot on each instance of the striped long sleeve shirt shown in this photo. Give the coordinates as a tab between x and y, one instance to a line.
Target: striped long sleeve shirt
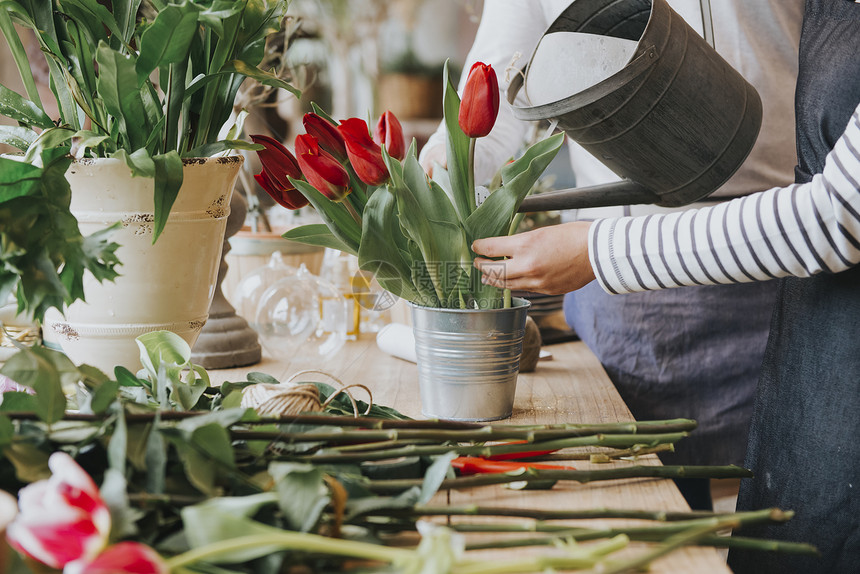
799	230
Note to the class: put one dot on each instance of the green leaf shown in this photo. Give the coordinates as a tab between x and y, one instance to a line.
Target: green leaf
494	216
255	73
302	493
93	17
187	393
214	440
104	396
118	444
168	39
334	214
379	252
140	162
85	139
158	347
221	146
7	431
18	401
126	378
436	473
118	87
45	372
315	234
20	109
221	519
168	181
31	463
18	137
155	457
125	13
50	138
457	146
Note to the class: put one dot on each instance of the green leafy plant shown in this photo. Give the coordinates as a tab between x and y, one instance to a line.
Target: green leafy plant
43	255
148	81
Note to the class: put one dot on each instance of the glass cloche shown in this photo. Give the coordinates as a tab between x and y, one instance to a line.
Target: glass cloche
301	318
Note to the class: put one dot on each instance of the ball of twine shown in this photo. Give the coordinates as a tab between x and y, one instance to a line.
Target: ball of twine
290	398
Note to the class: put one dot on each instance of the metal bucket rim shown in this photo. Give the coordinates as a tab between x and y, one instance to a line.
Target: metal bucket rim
517	303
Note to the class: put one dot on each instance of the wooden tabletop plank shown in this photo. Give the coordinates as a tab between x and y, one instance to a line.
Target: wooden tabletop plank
571	387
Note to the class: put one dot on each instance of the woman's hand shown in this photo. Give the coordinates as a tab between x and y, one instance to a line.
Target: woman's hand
551	260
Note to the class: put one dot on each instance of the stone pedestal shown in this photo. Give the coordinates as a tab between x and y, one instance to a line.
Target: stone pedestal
226	340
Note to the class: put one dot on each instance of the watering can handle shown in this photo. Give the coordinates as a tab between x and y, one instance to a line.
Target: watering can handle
631	71
624	192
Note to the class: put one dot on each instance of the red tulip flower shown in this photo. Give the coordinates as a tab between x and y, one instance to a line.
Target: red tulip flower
61	519
389	134
289	198
321	169
279	165
364	155
480	103
326	135
122	558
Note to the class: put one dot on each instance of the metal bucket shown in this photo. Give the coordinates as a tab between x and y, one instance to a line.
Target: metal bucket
468	360
676	121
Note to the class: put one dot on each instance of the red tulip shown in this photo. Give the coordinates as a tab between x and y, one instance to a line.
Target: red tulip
289	198
480	104
326	135
389	134
121	558
364	155
278	163
321	169
61	519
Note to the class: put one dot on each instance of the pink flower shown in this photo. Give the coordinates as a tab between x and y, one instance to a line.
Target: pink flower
121	558
61	519
8	385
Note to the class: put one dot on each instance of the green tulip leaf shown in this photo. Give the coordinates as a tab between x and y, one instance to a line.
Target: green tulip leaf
457	146
379	252
315	234
494	216
335	216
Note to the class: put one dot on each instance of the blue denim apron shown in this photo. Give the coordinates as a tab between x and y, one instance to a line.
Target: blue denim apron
805	433
692	352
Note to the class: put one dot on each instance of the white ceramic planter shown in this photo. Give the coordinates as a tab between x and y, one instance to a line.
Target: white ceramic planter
168	285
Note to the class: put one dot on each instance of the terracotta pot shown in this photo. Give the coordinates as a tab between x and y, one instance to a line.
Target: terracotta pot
168	285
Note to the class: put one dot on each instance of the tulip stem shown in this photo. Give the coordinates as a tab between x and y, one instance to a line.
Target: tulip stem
351	209
471	181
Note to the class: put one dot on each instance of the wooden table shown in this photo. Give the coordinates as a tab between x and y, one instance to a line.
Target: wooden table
571	387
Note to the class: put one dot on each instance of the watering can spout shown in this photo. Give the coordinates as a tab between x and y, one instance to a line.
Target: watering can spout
624	192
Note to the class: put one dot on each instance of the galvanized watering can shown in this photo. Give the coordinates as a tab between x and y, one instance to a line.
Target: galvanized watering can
675	122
